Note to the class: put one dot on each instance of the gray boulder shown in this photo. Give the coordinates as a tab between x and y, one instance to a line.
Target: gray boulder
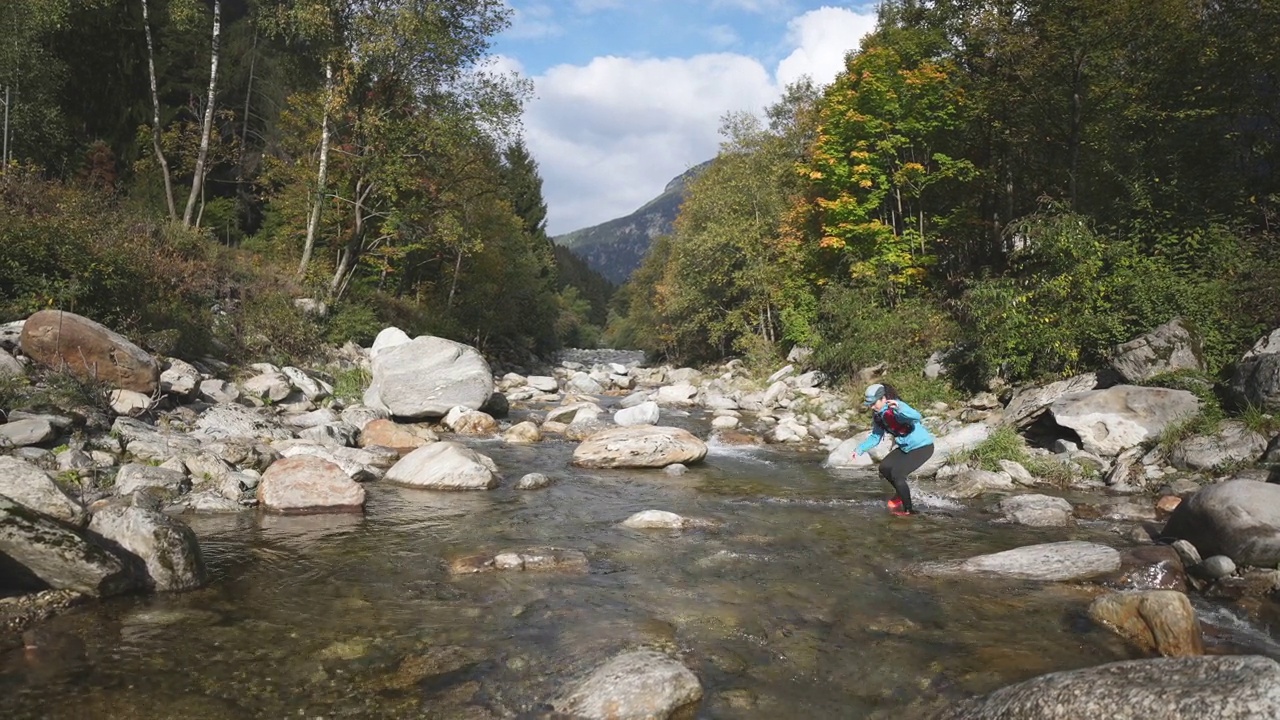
32	487
1233	443
26	432
1237	518
1036	510
1030	403
636	684
1257	376
164	546
445	466
1113	420
1058	561
59	555
1171	347
1233	687
10	367
428	376
639	446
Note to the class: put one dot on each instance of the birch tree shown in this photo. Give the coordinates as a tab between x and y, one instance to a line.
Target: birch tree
206	129
156	130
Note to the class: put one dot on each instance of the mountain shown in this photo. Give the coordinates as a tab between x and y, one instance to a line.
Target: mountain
615	248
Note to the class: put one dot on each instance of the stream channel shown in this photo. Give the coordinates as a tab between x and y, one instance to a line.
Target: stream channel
798	606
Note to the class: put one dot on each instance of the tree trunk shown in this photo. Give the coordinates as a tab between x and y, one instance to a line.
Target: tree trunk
197	181
155	117
244	124
313	223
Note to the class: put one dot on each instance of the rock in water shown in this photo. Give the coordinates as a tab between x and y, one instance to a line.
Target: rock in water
88	350
1237	518
1059	561
428	376
639	446
636	685
60	556
167	547
1237	687
1159	621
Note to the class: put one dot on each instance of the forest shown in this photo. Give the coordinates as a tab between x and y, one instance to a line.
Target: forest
184	170
1018	185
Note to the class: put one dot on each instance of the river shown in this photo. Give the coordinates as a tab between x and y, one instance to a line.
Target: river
797	606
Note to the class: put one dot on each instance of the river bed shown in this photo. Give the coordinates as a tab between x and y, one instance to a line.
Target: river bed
797	606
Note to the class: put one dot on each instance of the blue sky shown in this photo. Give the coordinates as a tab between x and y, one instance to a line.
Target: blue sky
630	93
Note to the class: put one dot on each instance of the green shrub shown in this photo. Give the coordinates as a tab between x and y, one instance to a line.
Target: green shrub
352	322
855	329
269	328
350	384
1004	443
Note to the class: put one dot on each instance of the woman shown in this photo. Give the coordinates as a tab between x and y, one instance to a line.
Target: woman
914	443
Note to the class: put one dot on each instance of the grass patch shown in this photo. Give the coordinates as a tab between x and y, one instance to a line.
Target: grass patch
1260	421
351	384
1205	423
1004	444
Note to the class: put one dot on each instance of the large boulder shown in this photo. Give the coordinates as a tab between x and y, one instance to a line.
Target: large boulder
59	555
309	484
1232	443
59	339
1113	420
28	485
1257	376
634	685
1232	687
164	546
639	446
1237	518
445	465
1036	510
428	376
1157	621
965	437
1028	404
1173	346
1058	561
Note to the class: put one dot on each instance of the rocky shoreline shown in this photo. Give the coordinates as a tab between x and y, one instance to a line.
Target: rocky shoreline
92	500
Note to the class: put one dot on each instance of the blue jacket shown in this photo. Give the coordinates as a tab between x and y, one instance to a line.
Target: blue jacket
905	424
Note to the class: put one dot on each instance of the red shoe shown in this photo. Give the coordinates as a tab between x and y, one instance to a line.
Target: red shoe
895	504
900	512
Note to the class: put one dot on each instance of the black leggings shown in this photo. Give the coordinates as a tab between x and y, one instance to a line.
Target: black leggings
897	465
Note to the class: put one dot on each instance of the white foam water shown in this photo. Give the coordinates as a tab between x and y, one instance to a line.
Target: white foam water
1239	626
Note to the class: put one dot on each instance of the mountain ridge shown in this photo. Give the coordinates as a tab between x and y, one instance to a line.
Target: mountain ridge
615	248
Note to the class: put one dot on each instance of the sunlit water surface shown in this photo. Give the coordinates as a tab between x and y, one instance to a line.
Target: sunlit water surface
797	606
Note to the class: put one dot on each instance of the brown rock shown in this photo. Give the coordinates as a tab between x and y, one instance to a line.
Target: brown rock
309	484
402	438
1160	621
88	350
1149	567
1166	505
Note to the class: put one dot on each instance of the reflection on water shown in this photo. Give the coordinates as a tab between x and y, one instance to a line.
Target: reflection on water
794	607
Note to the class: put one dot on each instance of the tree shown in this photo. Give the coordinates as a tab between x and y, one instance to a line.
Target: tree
206	128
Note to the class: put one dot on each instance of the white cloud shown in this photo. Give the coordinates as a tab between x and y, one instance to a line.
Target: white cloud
723	36
610	134
821	39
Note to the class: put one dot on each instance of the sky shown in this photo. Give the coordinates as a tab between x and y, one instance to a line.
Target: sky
629	94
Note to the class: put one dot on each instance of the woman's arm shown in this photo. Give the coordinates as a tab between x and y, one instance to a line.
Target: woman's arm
877	434
905	411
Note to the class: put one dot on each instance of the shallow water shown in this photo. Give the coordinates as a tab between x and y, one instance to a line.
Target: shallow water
796	607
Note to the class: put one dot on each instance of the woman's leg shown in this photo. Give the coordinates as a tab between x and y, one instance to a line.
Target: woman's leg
897	465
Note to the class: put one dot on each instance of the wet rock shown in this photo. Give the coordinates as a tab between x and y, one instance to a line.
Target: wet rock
445	466
972	483
1157	621
1253	582
208	501
523	433
1216	567
548	559
573	412
88	350
1237	518
465	421
1113	420
675	469
167	548
634	685
308	484
1187	553
1059	561
1241	687
533	481
27	432
1149	567
663	520
31	487
1036	510
641	446
59	555
645	413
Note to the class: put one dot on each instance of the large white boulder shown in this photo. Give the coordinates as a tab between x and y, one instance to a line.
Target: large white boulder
639	446
428	376
1237	518
1113	420
445	466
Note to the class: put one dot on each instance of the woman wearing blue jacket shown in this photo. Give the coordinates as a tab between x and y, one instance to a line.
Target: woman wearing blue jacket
914	442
